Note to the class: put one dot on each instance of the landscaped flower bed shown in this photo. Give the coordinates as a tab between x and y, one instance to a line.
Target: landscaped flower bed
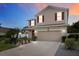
6	44
21	41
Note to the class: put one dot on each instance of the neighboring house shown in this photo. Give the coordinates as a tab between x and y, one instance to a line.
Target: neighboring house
50	24
3	30
25	33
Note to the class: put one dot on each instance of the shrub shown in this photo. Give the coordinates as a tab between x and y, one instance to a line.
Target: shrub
7	40
70	36
70	43
34	38
29	39
75	36
2	38
24	40
63	38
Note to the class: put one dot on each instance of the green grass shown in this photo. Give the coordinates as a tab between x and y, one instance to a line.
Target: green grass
5	46
5	43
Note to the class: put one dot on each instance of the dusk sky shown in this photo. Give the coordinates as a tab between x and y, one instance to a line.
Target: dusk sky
16	15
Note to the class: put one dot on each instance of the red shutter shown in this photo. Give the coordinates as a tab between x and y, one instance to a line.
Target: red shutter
43	18
37	19
55	16
62	15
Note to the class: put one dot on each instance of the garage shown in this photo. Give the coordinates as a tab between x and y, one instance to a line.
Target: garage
49	36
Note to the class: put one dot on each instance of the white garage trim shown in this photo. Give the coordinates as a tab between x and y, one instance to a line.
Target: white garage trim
49	36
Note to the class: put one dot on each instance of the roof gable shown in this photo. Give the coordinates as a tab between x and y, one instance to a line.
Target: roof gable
52	7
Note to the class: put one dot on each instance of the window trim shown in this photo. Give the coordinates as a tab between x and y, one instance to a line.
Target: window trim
62	16
33	22
42	19
37	19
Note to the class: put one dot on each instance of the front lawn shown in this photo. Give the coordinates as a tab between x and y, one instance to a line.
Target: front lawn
5	46
6	43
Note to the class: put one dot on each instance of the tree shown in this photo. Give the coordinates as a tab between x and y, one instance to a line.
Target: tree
12	32
74	28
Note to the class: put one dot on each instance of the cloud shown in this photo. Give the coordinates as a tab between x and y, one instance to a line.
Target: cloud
65	5
43	5
74	10
40	5
73	7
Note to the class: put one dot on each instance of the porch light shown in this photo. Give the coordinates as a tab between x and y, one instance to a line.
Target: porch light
35	33
64	32
19	33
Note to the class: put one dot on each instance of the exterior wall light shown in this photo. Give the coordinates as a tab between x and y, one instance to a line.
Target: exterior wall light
35	33
64	32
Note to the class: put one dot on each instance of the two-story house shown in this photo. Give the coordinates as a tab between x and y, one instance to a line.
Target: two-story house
50	24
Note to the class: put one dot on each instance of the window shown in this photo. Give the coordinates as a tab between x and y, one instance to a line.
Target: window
40	19
32	22
59	16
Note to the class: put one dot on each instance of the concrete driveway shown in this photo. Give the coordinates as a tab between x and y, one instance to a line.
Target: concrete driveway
36	48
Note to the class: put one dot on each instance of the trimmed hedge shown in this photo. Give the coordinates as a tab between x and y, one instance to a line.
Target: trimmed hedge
75	36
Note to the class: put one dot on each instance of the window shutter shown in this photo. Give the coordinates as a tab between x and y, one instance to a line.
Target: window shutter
29	22
55	16
62	15
43	18
67	13
37	19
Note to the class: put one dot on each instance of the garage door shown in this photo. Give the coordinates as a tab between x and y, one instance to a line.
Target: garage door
49	36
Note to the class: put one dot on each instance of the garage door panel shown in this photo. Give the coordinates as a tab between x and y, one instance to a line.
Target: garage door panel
49	36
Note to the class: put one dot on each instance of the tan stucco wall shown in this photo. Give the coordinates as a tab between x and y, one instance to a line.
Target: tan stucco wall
51	32
49	36
49	16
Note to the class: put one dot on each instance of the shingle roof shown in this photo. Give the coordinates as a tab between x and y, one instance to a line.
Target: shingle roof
52	7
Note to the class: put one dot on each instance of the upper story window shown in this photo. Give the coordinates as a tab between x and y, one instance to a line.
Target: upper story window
40	19
31	22
59	16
